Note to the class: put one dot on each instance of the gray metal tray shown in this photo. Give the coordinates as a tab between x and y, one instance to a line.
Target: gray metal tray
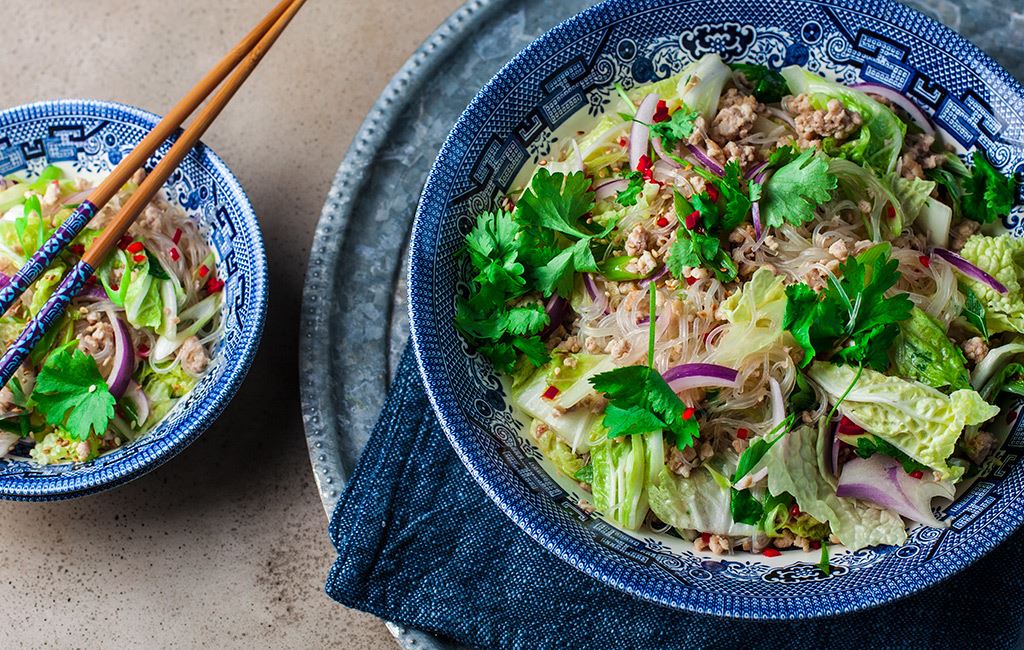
354	317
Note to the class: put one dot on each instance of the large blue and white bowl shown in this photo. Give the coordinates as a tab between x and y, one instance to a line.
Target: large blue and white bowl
90	138
511	124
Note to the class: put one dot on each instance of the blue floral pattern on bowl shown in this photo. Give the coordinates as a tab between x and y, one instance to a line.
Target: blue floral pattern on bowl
510	124
92	137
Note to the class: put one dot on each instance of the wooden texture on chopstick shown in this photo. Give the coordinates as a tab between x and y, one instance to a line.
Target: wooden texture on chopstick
115	230
185	107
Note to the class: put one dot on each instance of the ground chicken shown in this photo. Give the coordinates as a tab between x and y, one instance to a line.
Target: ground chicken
51	197
719	544
643	264
744	155
617	348
637	241
918	156
585	506
784	541
699	544
812	125
571	345
97	335
739	445
962	232
979	446
975	349
839	250
150	218
193	356
736	116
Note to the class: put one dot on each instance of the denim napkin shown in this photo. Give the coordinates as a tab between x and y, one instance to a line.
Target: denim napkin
419	543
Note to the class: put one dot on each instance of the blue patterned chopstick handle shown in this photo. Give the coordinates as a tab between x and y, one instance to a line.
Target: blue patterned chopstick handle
44	320
43	257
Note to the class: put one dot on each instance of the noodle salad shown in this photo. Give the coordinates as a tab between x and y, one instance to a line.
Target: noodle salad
755	309
132	343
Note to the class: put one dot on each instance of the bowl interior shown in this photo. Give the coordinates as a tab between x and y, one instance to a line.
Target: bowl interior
90	138
541	98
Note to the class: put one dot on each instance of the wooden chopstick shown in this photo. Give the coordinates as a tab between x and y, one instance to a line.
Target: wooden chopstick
135	160
105	243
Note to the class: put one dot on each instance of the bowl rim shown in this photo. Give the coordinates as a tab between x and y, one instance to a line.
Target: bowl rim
57	487
535	523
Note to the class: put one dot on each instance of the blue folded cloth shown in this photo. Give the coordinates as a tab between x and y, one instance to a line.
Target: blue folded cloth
419	543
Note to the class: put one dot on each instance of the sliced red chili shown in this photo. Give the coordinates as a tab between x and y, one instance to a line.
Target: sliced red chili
771	552
177	235
125	242
142	351
925	261
175	255
644	167
660	112
692	219
815	544
742	433
890	212
712	193
848	427
135	247
688	413
690	280
662	221
794	511
77	249
213	285
551	392
203	271
706	537
917	474
139	259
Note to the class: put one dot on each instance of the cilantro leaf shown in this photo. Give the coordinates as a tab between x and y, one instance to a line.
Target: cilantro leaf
71	393
974	312
793	192
744	507
556	202
989	195
679	126
628	196
697	248
737	201
851	319
768	85
630	421
869	445
499	331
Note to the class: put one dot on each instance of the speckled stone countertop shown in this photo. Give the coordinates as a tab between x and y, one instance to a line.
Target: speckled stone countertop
225	546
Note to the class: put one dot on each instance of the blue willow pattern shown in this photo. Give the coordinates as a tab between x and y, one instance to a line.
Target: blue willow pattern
44	320
43	257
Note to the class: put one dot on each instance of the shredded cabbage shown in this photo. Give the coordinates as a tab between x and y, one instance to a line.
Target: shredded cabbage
916	419
1001	257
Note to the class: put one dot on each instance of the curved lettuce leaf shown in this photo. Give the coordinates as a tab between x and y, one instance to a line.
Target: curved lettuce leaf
698	86
924	353
755	314
1001	257
143	306
912	193
697	502
880	149
620	479
557	451
44	287
163	390
796	466
916	419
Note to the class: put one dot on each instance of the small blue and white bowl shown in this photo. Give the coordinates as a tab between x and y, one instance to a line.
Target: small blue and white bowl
511	124
91	137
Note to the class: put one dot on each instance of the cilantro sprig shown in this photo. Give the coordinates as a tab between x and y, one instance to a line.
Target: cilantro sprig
499	330
989	195
628	196
974	312
71	393
743	505
796	188
694	244
641	401
851	320
551	213
679	126
768	85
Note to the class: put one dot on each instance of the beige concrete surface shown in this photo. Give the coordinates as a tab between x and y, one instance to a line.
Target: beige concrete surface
225	546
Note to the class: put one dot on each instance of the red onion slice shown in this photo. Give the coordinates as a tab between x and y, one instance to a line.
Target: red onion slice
755	170
135	394
77	197
663	154
610	188
654	278
640	133
597	297
124	357
699	375
556	308
969	269
881	480
915	113
705	160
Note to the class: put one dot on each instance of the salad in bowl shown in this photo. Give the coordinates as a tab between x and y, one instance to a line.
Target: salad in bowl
130	345
754	309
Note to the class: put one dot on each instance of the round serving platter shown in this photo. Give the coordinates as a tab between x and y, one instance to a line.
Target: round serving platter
354	319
